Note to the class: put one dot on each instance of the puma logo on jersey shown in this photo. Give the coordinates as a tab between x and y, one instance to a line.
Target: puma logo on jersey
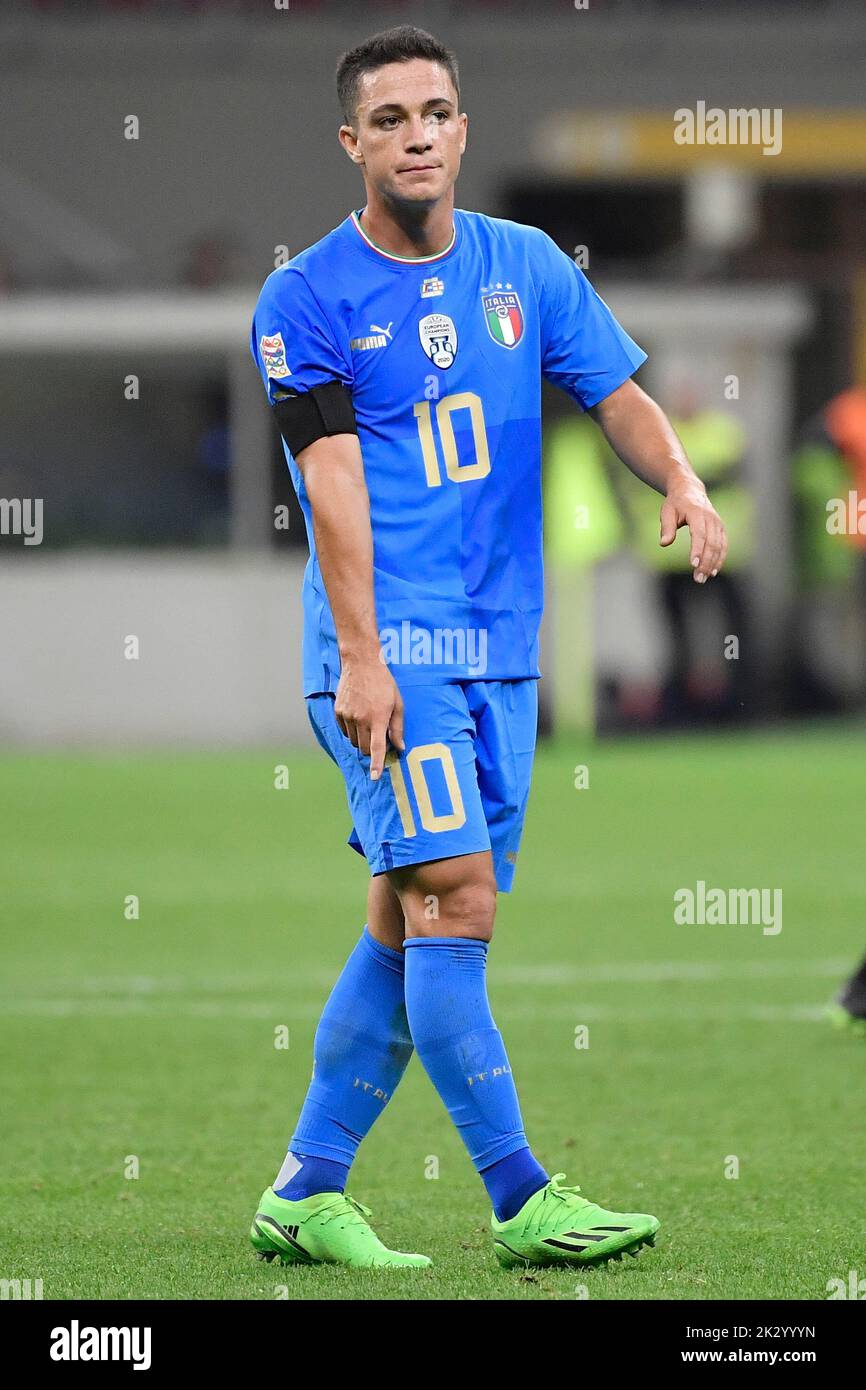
379	337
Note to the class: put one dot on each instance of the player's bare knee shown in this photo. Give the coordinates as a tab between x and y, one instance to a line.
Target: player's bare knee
470	911
454	897
384	914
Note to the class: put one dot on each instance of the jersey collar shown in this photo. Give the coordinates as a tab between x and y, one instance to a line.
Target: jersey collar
405	260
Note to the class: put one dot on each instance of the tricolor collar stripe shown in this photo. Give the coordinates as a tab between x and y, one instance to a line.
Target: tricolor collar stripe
405	260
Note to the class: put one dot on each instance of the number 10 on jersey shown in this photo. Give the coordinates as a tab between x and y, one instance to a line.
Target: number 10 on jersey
479	465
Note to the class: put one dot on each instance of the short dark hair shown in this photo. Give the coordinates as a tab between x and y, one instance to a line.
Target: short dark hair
398	45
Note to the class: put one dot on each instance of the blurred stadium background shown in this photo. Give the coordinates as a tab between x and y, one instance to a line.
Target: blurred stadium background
130	405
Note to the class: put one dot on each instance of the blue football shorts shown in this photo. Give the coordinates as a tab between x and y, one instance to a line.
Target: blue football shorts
460	786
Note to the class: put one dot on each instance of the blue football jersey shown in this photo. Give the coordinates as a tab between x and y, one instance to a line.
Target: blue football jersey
443	356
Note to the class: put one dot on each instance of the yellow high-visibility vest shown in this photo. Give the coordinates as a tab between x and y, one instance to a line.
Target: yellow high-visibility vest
715	443
819	473
583	520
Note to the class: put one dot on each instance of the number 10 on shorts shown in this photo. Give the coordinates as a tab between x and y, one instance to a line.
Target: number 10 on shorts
414	763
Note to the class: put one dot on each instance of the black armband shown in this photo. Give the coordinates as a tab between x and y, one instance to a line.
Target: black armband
315	413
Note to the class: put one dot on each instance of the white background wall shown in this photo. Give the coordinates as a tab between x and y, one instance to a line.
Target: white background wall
220	650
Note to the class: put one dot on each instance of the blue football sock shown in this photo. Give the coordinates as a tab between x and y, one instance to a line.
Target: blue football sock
361	1050
512	1180
463	1054
302	1175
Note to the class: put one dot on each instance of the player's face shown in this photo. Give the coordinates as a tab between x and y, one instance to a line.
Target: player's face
409	135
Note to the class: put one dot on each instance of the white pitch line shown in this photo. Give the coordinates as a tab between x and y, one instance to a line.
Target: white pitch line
275	1012
185	996
550	974
278	1012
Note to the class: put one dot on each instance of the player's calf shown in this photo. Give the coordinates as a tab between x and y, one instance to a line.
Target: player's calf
451	1024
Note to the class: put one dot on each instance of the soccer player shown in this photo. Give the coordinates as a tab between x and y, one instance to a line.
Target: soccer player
848	1010
403	356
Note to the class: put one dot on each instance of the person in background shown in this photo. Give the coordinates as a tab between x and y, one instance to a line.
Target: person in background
843	443
703	681
825	674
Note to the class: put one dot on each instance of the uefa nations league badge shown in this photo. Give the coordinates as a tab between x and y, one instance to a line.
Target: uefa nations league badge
438	339
273	351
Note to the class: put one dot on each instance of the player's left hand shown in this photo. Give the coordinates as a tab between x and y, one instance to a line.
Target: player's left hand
689	505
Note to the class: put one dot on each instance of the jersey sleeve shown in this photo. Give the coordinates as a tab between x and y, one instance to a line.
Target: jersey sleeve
583	348
294	344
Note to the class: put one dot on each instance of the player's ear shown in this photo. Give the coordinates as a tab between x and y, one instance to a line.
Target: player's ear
349	140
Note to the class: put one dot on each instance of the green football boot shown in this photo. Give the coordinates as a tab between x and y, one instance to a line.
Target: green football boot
842	1018
328	1228
556	1227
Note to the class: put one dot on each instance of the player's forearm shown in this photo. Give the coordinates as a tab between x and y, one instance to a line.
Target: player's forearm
640	433
334	479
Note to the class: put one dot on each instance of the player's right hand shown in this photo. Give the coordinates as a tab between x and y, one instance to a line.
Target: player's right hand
369	710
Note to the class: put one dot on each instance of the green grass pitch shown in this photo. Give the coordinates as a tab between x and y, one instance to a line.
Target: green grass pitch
154	1037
